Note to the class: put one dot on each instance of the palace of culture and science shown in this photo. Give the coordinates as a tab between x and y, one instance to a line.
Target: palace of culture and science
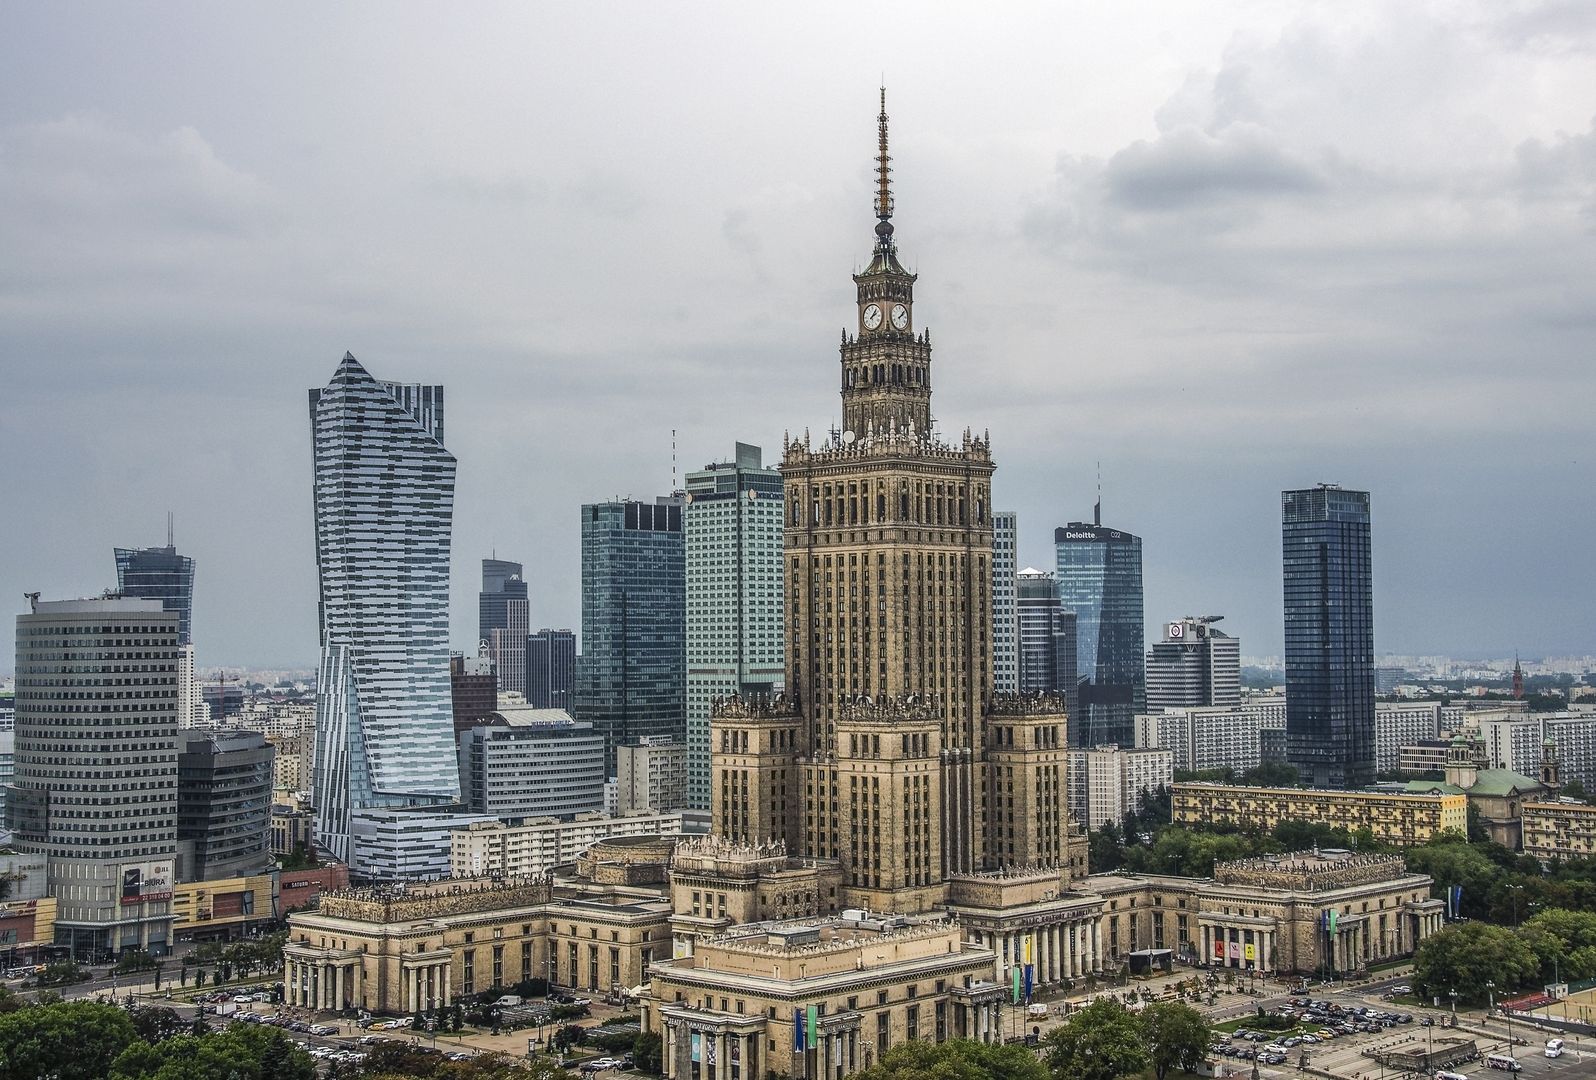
890	753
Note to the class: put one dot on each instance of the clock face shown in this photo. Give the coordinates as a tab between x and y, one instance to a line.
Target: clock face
900	316
872	317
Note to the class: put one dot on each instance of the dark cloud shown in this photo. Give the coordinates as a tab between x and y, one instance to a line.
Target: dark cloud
1187	168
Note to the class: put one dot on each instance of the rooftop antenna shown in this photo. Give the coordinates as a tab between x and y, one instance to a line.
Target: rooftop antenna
1097	510
169	529
673	460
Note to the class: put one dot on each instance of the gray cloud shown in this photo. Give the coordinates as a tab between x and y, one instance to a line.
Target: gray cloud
1222	250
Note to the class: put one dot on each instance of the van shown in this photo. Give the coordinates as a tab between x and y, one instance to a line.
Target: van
1505	1062
508	1001
1554	1048
1036	1011
1444	1075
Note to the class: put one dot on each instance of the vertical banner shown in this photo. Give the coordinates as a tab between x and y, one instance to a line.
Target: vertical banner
836	1050
814	1026
1249	951
1014	978
1219	948
697	1046
797	1028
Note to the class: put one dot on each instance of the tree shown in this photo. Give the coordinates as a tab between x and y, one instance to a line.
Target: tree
241	1051
1271	774
648	1052
1100	1042
1465	956
1105	850
1177	1037
957	1059
72	1040
154	1023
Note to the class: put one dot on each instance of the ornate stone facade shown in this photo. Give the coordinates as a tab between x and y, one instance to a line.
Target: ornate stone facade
882	759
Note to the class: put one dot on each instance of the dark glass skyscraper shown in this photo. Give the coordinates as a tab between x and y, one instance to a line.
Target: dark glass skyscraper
1046	633
159	573
631	680
550	669
502	621
1329	605
1100	579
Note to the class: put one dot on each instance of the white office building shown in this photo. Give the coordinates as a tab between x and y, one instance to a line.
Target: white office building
494	849
1005	617
1195	665
1107	782
1217	737
1399	724
524	762
651	776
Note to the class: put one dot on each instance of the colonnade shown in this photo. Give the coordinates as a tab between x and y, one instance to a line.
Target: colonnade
425	983
720	1053
325	984
1069	949
1217	942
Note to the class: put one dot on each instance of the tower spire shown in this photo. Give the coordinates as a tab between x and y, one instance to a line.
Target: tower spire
883	178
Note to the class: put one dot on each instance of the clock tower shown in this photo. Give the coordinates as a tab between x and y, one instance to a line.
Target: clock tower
886	364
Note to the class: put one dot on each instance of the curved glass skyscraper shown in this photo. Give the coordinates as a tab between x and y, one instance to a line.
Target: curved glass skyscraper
384	493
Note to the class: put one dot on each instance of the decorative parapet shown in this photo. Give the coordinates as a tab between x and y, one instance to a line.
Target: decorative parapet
892	443
1022	704
774	707
1310	871
397	904
866	709
755	937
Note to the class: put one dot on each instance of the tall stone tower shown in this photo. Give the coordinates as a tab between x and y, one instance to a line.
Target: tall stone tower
888	595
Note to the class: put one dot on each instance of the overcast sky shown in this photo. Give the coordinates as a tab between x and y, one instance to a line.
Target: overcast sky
1226	249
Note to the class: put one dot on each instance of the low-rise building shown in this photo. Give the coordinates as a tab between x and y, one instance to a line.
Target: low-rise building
1425	756
298	889
223	908
491	848
291	829
819	997
1331	911
1562	829
716	884
420	947
1393	818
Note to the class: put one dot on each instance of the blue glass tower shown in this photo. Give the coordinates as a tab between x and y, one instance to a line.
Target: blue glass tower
159	573
1100	579
1329	632
384	504
631	676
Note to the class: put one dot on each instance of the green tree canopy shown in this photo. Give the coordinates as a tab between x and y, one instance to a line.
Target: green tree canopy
1466	956
957	1059
241	1051
1100	1042
1176	1036
72	1040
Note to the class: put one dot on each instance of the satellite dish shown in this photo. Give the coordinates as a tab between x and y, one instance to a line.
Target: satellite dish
848	437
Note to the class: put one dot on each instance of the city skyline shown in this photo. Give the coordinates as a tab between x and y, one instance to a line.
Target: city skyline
1095	231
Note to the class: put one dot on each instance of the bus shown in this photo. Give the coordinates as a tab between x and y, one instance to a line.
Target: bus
1554	1048
1506	1062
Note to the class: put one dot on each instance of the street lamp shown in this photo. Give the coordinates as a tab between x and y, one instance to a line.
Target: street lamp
1516	890
1453	995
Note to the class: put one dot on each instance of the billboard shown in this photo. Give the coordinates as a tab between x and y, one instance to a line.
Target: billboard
146	881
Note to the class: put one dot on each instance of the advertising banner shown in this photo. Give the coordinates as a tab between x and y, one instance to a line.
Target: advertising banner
1219	949
147	881
1235	950
1251	951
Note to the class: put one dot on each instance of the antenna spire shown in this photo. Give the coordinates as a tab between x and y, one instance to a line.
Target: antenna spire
883	177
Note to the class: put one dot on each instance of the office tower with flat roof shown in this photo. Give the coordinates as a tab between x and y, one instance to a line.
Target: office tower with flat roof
1329	624
732	525
1195	665
502	614
159	573
550	669
97	728
384	505
630	680
1100	579
521	762
1046	638
1005	619
224	797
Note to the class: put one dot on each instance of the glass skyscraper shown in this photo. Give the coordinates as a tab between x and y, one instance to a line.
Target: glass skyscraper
550	669
1047	659
159	573
630	677
1329	605
733	522
384	504
502	621
1100	579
